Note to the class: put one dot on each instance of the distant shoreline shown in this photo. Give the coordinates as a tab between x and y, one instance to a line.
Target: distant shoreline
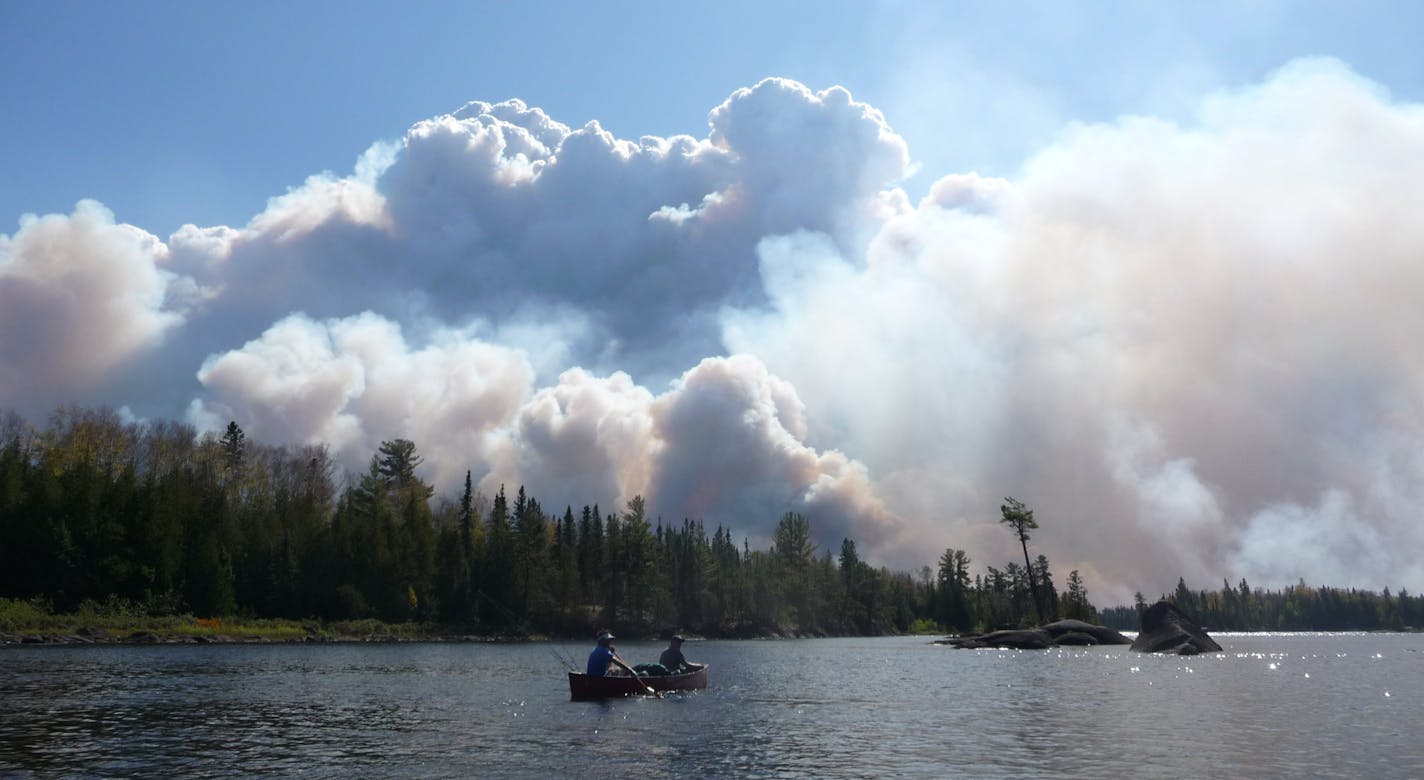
32	628
143	638
140	637
77	630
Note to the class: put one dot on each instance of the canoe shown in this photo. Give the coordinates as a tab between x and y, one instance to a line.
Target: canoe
583	687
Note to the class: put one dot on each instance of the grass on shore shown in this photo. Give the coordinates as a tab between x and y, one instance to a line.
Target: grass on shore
118	619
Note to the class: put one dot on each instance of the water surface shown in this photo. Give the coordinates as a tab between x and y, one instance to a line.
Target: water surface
1271	705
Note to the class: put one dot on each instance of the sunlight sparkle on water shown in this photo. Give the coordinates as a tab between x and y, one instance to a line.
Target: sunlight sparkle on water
285	711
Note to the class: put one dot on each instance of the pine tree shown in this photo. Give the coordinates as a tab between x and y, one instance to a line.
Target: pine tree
234	448
953	585
1049	593
1019	518
1078	607
792	553
531	556
498	573
853	613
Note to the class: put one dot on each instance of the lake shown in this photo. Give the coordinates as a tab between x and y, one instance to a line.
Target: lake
1271	705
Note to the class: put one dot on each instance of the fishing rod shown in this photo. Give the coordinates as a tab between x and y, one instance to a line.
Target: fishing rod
522	626
569	663
564	658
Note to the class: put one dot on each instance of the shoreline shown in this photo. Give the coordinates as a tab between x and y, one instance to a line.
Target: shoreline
202	631
144	638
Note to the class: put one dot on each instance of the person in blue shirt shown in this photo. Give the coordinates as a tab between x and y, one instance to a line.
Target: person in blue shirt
603	655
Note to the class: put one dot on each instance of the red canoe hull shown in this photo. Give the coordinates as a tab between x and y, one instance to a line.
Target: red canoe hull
584	688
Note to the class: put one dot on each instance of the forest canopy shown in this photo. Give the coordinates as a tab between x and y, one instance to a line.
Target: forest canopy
154	515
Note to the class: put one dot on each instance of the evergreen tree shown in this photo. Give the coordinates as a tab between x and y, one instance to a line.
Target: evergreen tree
234	447
208	569
531	556
467	516
1077	605
614	567
639	559
566	568
952	586
497	582
725	586
1019	519
398	462
1046	589
855	616
1183	597
458	560
792	554
372	558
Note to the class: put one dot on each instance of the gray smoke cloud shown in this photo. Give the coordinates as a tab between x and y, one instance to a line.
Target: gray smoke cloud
1189	347
79	295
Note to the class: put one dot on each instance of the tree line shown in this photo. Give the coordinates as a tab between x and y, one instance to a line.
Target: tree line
163	520
1297	608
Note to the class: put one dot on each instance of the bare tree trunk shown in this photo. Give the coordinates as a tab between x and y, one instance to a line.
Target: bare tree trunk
1032	580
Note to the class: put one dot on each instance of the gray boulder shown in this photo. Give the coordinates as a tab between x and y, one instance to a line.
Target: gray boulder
1076	639
1165	629
1059	632
1015	638
1071	632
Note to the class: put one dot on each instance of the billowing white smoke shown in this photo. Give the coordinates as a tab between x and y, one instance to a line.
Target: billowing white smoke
355	381
79	295
496	225
1189	348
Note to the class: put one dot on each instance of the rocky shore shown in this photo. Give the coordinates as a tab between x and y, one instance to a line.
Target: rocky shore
1165	629
1057	633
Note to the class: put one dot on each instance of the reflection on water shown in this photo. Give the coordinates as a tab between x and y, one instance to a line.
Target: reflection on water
1269	706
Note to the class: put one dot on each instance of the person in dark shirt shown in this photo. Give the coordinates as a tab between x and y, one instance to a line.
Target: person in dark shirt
603	655
673	660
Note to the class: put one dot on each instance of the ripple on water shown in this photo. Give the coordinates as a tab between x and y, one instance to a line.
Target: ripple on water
1269	705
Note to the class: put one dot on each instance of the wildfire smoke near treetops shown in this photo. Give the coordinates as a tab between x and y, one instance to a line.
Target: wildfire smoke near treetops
1189	342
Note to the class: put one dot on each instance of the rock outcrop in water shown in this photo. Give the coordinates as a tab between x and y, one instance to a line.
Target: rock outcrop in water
1166	630
1060	632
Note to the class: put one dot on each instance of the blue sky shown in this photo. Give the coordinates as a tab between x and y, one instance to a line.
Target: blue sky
1152	268
173	112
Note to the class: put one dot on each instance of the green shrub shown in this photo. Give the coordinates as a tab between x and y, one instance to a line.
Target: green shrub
18	615
925	626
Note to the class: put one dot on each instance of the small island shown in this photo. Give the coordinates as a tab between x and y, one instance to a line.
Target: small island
1165	629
